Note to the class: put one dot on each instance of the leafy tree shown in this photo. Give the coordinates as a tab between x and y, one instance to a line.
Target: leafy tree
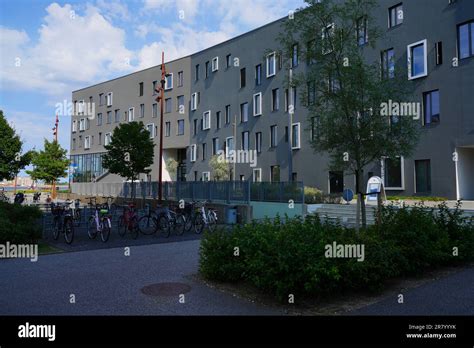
49	164
344	91
172	166
220	169
130	151
11	160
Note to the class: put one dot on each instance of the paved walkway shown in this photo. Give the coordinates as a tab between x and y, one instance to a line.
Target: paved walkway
106	282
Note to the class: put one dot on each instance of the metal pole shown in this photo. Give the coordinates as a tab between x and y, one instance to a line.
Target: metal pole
162	98
56	140
235	147
290	129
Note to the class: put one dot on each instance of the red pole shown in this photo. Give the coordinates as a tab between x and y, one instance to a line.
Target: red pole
162	97
56	140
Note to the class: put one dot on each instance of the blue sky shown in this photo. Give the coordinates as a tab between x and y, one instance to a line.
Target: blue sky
48	49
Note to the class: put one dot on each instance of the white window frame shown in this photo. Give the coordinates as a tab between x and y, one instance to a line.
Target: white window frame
206	176
107	138
215	64
259	171
298	124
74	126
255	104
131	119
227	150
208	113
80	107
167	129
402	168
268	64
193	154
169	78
82	124
109	99
409	59
152	133
194	99
87	142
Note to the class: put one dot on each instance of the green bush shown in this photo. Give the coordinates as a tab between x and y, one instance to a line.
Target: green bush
283	258
312	195
19	224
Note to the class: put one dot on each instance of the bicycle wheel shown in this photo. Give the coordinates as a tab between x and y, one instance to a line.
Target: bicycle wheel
92	228
164	226
68	230
189	222
77	216
122	226
105	229
147	225
134	229
212	220
56	227
179	224
199	224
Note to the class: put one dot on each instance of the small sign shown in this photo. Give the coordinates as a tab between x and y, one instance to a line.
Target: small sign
348	195
374	186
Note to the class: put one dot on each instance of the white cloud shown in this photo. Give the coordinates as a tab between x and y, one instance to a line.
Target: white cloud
185	9
114	9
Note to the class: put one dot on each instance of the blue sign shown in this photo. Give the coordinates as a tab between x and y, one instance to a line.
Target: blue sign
348	195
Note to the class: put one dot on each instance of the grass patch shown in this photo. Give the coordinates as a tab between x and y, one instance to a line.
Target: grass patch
45	249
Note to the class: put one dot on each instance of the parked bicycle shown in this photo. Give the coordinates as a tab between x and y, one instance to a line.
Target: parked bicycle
110	204
100	222
161	219
76	211
36	197
128	221
19	198
62	221
202	218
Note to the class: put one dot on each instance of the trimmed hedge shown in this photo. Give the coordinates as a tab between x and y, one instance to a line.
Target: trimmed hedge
19	224
289	258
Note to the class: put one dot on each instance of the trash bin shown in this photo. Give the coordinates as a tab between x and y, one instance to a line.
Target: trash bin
231	215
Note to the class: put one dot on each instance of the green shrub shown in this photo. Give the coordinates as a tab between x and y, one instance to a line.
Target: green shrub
283	258
19	224
312	195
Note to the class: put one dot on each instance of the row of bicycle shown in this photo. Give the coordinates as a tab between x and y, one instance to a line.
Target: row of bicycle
163	219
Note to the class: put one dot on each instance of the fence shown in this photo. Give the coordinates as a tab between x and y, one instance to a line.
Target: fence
215	191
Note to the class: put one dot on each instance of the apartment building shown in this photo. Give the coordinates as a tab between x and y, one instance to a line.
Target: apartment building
234	96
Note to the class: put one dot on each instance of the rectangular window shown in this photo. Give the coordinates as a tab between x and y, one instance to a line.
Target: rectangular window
218	119
195	126
109	117
311	92
215	64
82	124
273	136
392	173
258	75
275	99
206	120
207	70
395	15
140	89
109	99
271	64
286	99
196	72
245	141
180	79
180	127
142	110
242	78
244	112
417	60
295	136
155	110
108	138
100	138
423	176
439	53
215	146
154	88
228	61
117	116
227	114
466	40
169	81
180	104
326	38
101	99
74	143
74	126
431	110
294	57
311	52
314	131
257	175
388	63
258	142
193	153
151	129
194	101
204	151
167	129
275	173
87	142
362	32
229	146
131	115
168	105
206	176
257	104
99	119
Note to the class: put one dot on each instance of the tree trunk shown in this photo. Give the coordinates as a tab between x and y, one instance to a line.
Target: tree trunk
360	196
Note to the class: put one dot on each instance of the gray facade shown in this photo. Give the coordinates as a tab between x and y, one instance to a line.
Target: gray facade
442	165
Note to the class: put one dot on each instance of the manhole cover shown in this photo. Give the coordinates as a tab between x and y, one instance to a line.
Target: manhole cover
166	289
